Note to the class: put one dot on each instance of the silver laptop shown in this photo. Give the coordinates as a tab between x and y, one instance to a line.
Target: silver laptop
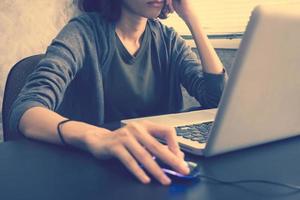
261	101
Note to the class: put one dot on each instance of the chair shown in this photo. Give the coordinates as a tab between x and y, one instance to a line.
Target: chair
14	83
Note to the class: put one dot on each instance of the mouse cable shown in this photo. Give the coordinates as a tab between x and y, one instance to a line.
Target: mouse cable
290	186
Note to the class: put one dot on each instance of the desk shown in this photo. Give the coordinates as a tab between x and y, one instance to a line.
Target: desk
33	170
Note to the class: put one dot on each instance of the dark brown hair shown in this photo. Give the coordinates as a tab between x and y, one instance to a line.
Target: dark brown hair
109	9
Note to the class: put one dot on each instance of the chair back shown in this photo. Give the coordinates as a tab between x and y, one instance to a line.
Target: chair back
14	83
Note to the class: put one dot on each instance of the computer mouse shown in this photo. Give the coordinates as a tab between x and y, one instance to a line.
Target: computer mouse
194	171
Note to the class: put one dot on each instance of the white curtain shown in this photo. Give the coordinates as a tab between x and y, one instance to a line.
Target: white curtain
225	16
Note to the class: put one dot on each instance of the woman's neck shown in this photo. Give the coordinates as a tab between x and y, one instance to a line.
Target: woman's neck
130	27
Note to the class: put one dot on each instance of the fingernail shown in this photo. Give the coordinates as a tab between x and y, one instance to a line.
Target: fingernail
184	167
146	179
166	181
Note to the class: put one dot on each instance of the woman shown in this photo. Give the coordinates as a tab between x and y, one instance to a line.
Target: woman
114	63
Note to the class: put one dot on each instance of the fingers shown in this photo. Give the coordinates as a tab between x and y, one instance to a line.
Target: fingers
166	133
146	160
167	156
135	143
159	150
124	156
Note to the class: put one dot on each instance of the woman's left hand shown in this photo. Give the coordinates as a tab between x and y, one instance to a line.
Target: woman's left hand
184	8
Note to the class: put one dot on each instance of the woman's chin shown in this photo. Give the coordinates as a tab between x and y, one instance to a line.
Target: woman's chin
151	15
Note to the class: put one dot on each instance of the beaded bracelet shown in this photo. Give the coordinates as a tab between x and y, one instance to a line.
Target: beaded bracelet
63	141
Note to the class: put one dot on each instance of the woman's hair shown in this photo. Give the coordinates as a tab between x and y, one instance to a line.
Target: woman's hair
110	9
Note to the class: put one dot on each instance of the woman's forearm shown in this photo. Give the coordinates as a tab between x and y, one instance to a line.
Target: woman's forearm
209	58
189	14
41	124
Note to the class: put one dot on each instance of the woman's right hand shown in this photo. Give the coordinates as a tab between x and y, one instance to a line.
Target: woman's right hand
136	144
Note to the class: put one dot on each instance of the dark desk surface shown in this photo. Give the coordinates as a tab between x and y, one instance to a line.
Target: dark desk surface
33	170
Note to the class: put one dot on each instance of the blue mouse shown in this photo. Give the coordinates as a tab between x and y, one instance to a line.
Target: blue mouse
194	171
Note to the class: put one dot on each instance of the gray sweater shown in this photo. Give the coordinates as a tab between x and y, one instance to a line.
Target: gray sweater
69	79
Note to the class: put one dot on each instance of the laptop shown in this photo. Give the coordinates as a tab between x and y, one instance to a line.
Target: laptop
261	100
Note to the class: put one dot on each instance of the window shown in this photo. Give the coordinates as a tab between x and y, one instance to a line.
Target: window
224	19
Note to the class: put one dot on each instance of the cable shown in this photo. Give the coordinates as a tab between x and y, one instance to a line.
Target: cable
197	174
290	186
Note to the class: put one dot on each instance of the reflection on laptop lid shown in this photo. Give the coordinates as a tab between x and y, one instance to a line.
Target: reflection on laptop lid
260	103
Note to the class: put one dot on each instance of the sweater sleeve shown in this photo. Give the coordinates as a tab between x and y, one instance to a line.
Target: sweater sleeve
205	87
46	86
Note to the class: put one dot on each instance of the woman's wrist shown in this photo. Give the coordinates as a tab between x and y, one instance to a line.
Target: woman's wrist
92	136
80	134
191	20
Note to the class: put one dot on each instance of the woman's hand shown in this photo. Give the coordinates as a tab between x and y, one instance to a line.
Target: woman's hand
184	8
135	144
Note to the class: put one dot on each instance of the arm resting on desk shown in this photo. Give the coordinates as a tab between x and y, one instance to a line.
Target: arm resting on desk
75	133
132	144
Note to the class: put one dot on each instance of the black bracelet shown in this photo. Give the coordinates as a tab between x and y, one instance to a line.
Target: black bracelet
63	141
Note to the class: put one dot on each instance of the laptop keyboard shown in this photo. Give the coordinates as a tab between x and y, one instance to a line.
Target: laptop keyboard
195	132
